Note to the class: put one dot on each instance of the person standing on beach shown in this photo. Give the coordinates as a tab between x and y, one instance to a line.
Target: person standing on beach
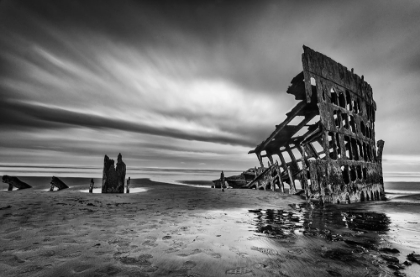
222	181
91	186
128	184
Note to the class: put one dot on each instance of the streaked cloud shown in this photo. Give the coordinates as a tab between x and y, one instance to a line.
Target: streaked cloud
191	83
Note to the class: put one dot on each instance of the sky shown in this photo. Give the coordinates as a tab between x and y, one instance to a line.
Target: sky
191	84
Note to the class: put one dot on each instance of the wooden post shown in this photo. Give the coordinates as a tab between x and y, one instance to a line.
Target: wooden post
281	185
292	189
304	171
286	168
294	162
270	158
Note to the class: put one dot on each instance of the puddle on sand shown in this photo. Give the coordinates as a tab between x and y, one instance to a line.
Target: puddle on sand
99	190
309	220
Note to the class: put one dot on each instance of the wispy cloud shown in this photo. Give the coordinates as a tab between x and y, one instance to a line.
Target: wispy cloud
188	80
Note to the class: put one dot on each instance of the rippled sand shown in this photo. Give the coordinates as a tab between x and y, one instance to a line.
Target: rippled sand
169	230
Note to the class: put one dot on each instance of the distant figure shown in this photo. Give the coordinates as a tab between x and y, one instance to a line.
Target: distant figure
222	181
52	186
128	184
91	186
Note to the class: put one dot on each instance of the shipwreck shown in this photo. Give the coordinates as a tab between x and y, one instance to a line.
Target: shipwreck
326	145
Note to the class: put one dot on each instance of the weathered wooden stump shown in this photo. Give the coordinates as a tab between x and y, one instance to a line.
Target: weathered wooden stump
15	182
113	179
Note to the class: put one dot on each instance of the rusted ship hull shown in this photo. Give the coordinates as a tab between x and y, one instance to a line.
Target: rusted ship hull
327	141
236	183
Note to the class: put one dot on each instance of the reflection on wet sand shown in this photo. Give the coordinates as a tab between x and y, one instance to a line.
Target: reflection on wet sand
351	235
317	221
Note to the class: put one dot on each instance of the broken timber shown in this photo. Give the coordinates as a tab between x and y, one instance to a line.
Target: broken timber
14	182
56	182
327	141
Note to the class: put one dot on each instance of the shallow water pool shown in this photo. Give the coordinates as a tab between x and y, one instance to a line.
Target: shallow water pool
99	190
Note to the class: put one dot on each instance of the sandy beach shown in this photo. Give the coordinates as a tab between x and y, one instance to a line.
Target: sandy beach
173	230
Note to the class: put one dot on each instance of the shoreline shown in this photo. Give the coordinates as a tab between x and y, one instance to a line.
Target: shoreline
181	230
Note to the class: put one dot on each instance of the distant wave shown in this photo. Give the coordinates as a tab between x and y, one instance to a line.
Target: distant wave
142	169
393	191
169	175
49	166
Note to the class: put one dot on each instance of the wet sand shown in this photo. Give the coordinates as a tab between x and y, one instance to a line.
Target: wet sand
173	230
208	184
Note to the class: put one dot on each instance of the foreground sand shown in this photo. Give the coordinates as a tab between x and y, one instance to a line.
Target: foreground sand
172	230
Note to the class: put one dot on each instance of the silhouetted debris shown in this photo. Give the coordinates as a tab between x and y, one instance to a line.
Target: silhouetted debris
113	179
389	250
56	182
407	263
414	257
14	182
389	258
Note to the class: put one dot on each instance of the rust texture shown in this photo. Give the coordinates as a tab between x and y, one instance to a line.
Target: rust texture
326	144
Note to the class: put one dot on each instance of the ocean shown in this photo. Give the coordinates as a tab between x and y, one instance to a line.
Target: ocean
192	177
